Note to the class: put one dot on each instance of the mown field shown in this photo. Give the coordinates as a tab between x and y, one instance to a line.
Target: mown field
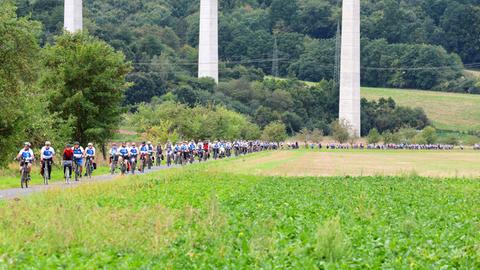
359	163
202	217
448	111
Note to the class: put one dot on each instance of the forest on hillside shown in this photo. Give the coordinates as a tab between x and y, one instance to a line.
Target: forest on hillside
423	44
420	44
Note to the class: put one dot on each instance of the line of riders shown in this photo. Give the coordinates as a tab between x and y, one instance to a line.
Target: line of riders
130	158
126	156
401	146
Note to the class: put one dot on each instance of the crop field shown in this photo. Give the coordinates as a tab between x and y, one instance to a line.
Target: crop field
448	111
205	217
359	163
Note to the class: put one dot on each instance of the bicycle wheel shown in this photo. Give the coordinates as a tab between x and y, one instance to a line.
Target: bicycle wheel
67	175
45	173
112	167
89	169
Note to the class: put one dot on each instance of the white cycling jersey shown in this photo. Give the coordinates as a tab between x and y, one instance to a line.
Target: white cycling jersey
47	152
27	155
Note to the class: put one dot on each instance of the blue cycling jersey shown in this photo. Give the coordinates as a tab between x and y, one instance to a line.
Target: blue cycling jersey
134	151
90	152
123	151
26	155
47	153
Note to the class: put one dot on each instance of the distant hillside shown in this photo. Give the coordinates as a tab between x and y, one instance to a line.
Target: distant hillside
448	111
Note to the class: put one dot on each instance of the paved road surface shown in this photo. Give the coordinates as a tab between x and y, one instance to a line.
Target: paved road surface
18	192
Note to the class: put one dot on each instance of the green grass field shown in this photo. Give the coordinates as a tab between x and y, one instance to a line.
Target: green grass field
448	111
201	217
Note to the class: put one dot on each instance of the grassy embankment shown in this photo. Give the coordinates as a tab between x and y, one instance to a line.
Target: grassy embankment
200	217
448	111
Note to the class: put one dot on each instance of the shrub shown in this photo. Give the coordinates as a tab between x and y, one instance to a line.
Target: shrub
275	132
340	130
332	244
374	136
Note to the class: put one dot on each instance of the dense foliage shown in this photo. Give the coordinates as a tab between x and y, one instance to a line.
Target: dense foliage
86	78
386	115
405	44
69	90
173	121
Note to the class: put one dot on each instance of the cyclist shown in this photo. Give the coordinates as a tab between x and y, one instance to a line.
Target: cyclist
144	156
159	153
113	159
90	155
67	161
185	152
151	158
78	154
124	153
26	155
46	156
133	153
206	151
114	153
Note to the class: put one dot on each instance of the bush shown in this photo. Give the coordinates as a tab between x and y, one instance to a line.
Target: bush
390	137
374	136
275	132
429	134
332	244
199	122
340	131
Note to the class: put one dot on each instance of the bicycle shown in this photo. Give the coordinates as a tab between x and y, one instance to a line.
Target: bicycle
169	158
47	163
149	161
113	165
123	164
133	164
67	167
76	169
24	178
89	167
143	160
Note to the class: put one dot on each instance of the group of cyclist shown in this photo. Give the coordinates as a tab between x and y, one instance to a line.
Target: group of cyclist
130	157
74	156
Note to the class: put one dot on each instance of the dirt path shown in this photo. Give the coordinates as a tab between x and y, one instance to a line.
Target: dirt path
18	192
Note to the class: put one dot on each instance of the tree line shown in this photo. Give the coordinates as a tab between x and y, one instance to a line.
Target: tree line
70	89
161	39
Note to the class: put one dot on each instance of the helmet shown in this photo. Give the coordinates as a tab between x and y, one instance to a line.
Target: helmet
27	144
149	142
76	143
134	144
90	144
68	145
48	143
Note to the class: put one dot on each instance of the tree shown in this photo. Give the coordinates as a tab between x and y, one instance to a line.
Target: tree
86	80
304	136
391	137
429	134
340	130
374	136
19	52
317	135
275	132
